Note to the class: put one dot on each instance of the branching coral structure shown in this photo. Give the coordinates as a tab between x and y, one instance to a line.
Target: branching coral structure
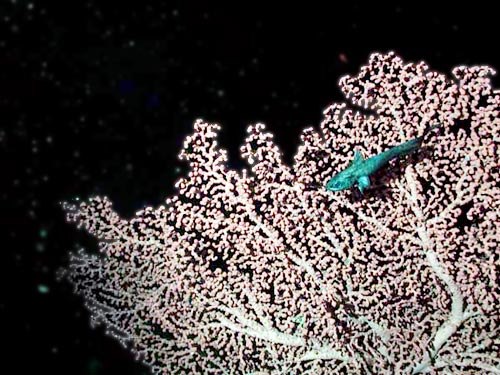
264	271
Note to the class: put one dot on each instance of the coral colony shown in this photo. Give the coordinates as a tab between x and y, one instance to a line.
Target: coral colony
265	271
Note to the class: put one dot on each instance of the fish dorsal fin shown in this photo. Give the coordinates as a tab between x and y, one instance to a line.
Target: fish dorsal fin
358	158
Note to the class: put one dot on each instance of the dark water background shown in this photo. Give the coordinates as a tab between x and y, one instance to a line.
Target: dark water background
97	96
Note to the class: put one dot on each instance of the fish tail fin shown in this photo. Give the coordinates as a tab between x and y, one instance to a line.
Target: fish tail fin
428	129
412	145
416	142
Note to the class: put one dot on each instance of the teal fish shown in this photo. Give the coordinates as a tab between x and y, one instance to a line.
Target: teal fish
360	170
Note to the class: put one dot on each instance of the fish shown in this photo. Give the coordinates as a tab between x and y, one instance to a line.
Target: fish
359	170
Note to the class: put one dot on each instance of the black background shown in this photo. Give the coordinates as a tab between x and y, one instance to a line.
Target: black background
97	96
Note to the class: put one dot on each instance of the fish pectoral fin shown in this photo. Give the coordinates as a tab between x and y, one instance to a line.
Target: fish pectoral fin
363	183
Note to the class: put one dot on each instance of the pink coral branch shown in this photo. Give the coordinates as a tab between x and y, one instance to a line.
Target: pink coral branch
262	271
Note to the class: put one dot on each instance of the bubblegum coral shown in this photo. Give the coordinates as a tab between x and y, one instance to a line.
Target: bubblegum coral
263	271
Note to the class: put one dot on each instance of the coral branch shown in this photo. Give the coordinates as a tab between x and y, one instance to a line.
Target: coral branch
263	271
